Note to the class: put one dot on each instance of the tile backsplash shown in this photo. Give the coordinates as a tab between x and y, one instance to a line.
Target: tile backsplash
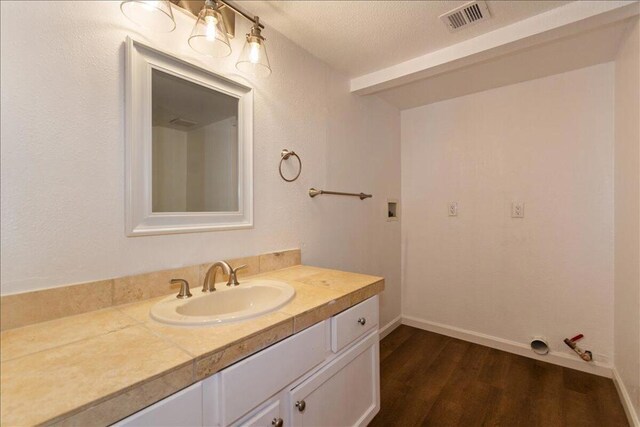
48	304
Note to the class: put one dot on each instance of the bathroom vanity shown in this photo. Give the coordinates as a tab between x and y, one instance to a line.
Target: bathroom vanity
327	374
312	361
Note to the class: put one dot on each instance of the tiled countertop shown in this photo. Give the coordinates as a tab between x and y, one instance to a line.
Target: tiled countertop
99	367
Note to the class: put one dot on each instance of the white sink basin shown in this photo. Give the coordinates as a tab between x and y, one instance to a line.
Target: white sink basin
251	298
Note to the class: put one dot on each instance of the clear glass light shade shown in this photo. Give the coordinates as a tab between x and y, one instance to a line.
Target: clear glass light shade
253	59
155	15
209	35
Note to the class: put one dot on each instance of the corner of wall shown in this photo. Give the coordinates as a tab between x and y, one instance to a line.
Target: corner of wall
627	222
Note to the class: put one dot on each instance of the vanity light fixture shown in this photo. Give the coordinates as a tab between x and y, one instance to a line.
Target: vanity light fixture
155	15
253	59
210	34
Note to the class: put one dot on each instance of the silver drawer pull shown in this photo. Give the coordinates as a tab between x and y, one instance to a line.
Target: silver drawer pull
277	422
362	321
301	405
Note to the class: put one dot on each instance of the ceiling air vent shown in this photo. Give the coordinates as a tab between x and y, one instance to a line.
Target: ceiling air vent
179	121
466	15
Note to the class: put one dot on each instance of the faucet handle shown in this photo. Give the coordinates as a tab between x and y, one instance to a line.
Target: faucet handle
233	277
184	288
235	270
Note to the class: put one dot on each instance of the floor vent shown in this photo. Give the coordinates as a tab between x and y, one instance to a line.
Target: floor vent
465	15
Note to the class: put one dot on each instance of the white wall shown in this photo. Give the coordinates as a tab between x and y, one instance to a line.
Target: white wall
221	176
627	215
169	170
547	143
212	171
197	170
62	152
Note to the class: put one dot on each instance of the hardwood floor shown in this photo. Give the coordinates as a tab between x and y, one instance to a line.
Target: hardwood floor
429	379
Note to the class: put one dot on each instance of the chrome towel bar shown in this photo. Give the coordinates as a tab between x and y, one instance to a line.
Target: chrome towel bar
313	193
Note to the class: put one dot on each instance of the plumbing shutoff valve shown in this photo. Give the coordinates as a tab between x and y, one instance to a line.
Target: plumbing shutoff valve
584	354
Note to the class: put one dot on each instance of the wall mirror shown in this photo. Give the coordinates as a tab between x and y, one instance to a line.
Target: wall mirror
189	146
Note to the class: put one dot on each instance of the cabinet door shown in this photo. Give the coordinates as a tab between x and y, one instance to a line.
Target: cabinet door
182	409
346	392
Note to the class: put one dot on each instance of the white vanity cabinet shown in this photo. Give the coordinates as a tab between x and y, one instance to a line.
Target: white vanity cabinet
345	392
234	392
326	375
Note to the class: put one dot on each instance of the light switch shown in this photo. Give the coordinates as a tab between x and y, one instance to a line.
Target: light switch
517	210
453	209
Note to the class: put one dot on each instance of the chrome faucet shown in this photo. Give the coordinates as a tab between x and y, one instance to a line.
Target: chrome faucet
209	284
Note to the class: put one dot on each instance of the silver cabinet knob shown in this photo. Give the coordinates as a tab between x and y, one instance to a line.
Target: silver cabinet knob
277	422
362	321
301	405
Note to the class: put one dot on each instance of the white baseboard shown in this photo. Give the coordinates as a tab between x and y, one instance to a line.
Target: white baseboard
556	358
627	404
389	327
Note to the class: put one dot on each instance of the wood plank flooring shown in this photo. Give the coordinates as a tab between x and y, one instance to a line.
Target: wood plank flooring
429	379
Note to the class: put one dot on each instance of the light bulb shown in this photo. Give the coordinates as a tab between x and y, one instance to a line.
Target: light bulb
209	34
211	23
254	52
254	59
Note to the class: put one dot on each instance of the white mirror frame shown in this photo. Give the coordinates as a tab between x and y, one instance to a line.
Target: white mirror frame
140	219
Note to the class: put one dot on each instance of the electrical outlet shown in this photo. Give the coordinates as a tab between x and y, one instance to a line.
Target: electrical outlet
517	210
453	209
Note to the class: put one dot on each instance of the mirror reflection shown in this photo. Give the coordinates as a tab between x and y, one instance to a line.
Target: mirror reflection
194	147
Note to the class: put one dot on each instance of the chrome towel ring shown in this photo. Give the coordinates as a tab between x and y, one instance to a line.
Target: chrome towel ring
285	154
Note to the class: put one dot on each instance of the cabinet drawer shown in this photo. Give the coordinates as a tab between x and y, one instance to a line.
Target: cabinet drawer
182	409
351	324
245	385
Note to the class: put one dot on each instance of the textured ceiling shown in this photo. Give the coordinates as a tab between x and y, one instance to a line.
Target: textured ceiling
358	37
566	54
